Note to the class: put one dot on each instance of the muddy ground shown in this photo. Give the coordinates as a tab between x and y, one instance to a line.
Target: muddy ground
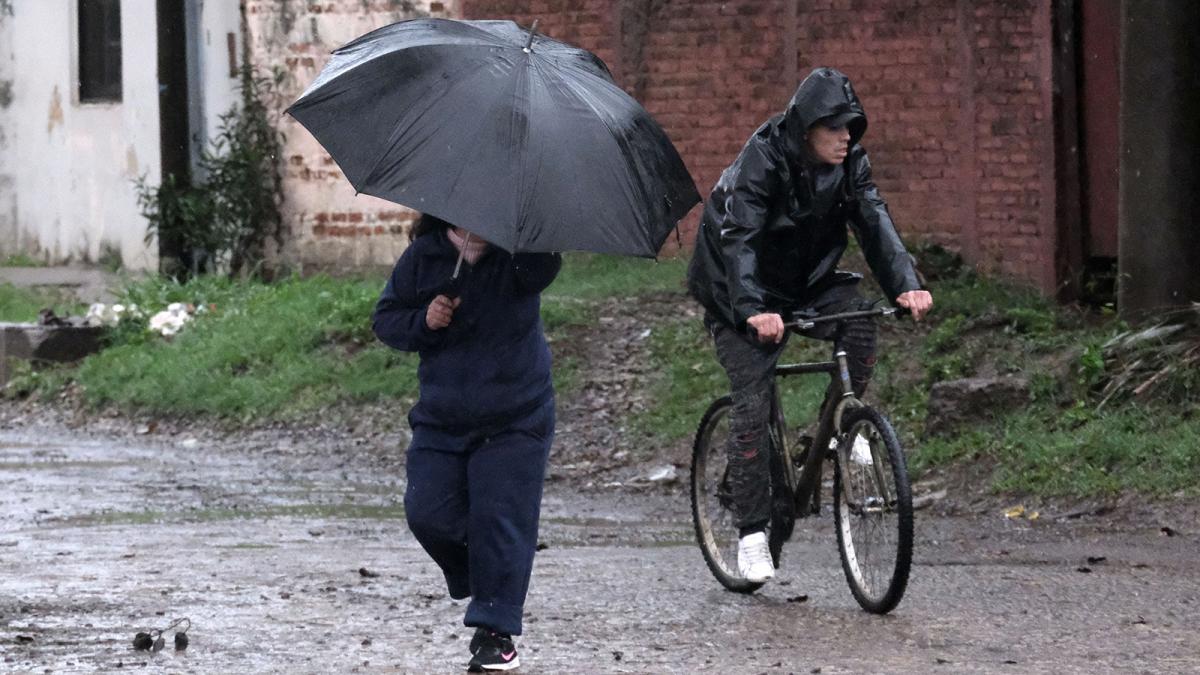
286	547
263	544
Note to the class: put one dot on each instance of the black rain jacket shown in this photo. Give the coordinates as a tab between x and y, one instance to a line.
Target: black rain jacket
774	227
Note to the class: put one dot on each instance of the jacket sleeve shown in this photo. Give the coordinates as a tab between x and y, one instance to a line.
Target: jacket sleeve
876	233
399	317
748	187
535	271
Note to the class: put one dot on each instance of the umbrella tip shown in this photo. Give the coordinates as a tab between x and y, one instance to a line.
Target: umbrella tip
532	32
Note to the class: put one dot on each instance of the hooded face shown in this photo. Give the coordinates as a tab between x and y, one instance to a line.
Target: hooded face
826	96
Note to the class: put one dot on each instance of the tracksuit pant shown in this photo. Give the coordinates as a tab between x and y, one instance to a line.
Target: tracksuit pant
473	503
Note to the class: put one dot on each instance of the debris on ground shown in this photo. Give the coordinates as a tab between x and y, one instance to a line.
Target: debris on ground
663	474
1159	361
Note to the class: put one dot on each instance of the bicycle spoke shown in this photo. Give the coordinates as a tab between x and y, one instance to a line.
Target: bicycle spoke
869	517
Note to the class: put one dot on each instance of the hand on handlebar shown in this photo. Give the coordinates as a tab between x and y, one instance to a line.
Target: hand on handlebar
767	326
918	302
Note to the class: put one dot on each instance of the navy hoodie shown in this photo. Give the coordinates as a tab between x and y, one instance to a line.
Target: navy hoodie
492	363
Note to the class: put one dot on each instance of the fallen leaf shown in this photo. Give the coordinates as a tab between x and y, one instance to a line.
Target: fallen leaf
1015	512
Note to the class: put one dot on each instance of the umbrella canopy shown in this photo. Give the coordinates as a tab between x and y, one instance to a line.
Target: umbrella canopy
519	138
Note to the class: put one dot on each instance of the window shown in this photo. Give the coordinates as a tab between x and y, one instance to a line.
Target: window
99	50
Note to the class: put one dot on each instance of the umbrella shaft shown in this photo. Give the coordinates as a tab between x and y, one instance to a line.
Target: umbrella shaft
532	31
462	253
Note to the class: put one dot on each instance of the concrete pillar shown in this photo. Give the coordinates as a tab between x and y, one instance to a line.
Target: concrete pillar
1159	221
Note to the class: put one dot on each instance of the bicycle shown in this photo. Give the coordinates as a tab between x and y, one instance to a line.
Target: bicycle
872	510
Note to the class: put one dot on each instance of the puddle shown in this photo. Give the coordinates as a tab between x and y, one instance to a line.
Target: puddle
318	511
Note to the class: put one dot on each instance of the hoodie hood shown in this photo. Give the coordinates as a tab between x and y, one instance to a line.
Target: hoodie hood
826	92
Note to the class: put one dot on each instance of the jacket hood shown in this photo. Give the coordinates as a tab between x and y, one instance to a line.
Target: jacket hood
826	92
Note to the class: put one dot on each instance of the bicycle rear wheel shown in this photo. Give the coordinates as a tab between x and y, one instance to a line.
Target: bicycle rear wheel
712	502
873	510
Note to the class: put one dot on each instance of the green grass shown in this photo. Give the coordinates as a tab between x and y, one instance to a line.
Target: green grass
283	350
587	276
21	305
273	351
1078	452
21	260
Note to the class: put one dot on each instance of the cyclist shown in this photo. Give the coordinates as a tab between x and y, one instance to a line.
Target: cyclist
770	238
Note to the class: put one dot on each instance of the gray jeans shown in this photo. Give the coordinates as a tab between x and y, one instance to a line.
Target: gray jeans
750	366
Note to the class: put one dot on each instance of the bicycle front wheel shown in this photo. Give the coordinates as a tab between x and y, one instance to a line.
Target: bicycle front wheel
712	501
873	510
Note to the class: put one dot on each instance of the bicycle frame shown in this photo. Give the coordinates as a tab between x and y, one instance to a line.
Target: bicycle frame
807	493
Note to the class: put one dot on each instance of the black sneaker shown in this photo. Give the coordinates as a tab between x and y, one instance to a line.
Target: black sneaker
494	652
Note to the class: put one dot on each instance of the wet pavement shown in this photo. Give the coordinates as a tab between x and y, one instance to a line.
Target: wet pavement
292	556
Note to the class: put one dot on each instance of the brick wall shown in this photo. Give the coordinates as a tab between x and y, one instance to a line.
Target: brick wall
957	93
328	226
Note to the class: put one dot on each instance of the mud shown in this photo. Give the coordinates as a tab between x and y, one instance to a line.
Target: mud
262	543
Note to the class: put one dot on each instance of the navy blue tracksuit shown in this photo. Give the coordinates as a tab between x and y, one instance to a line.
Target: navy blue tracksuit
484	421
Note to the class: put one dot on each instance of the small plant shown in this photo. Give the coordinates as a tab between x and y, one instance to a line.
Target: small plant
947	336
1030	320
110	258
937	263
21	260
180	217
225	219
1091	366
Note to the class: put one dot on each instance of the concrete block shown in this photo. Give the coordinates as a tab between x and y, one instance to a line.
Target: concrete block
31	342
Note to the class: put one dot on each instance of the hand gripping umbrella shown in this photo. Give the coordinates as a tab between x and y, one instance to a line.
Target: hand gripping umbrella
519	138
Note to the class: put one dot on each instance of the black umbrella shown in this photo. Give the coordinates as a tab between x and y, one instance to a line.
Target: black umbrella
519	138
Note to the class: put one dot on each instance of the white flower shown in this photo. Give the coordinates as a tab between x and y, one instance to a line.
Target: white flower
169	322
99	314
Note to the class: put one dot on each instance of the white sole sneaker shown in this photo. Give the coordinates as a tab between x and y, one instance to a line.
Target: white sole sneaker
754	558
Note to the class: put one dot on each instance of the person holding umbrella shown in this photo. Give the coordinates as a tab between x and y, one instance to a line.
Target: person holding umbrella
484	423
521	146
772	233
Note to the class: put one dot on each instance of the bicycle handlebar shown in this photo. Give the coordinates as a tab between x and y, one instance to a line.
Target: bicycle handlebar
806	323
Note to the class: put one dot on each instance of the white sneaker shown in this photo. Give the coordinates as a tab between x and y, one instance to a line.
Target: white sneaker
754	558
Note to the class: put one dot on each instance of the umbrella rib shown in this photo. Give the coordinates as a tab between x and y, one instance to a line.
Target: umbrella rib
432	97
462	166
623	146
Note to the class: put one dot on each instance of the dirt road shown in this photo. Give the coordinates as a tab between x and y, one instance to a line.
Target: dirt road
290	554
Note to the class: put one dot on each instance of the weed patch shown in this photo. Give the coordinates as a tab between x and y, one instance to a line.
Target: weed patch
21	305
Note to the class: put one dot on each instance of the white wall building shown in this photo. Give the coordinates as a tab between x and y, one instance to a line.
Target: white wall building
96	93
80	116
